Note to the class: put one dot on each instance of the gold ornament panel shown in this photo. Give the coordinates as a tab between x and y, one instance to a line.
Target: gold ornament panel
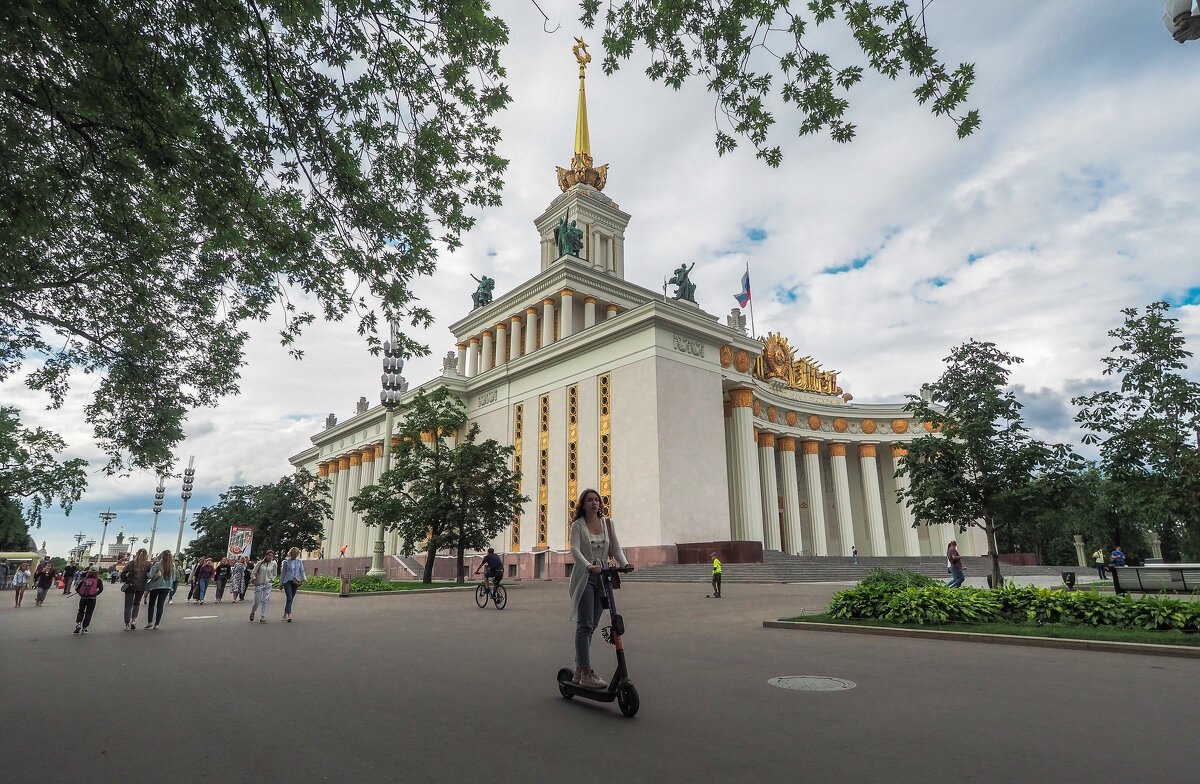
778	360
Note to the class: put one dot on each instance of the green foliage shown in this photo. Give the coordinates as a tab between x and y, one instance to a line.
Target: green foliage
725	43
897	579
1025	605
1146	428
320	583
441	495
30	472
289	513
980	459
192	166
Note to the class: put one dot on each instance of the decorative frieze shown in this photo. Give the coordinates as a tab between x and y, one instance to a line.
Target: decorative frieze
686	345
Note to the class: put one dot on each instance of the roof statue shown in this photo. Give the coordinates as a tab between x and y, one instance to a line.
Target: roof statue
582	170
483	294
568	237
684	288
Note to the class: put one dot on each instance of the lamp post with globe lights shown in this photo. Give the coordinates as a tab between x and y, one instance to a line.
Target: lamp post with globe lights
394	386
107	517
159	493
1182	18
189	477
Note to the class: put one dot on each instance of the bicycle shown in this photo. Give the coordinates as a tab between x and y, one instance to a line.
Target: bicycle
498	596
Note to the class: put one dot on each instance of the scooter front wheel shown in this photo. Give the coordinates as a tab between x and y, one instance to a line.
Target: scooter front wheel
627	698
564	676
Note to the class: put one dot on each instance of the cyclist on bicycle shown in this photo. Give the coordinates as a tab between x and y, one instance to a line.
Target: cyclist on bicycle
493	569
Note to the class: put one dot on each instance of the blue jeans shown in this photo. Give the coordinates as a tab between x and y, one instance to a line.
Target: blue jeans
289	593
956	577
201	589
589	615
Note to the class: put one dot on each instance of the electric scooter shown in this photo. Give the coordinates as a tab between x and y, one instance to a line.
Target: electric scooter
620	688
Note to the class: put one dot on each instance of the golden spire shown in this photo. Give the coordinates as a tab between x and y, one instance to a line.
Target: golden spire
581	163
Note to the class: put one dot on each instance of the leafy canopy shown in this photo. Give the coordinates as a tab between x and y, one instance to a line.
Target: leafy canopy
31	477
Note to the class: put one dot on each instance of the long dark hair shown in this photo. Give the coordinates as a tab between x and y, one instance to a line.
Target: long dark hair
579	511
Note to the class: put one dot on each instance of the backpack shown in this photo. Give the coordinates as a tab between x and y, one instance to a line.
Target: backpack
89	587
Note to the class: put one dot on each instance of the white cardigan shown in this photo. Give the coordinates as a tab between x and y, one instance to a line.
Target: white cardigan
581	551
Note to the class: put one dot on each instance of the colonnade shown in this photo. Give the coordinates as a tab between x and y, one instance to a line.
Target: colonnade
347	474
775	477
527	331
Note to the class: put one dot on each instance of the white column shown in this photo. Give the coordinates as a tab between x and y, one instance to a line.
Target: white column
339	505
501	343
531	330
462	359
745	460
566	315
610	311
870	477
841	494
485	358
473	358
912	543
352	524
328	472
770	490
547	322
514	338
365	541
816	495
792	537
619	257
732	479
589	312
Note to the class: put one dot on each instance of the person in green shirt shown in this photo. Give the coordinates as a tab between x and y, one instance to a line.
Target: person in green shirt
716	578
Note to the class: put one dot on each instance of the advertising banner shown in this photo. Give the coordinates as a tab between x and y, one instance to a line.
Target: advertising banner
241	537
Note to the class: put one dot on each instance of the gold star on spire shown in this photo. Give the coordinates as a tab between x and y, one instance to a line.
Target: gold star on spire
581	164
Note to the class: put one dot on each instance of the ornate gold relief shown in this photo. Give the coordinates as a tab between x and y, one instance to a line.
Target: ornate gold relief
790	419
518	448
322	470
543	470
840	425
605	446
771	412
869	426
810	447
368	455
726	355
932	428
866	450
572	455
757	408
899	425
814	422
343	464
899	451
837	450
766	439
778	360
787	444
742	362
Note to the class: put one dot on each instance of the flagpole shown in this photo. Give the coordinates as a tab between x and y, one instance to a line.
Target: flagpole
753	333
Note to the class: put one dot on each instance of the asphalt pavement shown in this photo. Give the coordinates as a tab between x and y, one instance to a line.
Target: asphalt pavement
429	688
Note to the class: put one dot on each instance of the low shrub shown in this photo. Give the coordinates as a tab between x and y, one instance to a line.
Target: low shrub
322	584
897	579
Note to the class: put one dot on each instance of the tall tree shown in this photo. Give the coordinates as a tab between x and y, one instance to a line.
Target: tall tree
1148	428
173	171
979	455
441	495
31	475
288	513
14	531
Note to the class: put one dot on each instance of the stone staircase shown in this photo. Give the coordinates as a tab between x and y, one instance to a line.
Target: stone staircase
779	567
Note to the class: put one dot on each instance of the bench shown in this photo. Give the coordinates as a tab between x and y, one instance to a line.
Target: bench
1155	579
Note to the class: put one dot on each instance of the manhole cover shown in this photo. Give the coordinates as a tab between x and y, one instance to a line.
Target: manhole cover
812	683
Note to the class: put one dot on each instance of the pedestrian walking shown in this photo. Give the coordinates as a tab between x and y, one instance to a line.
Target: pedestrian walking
80	574
133	585
262	577
221	577
204	575
854	553
1099	557
4	567
291	574
43	579
593	543
69	578
237	580
189	575
159	581
89	588
955	565
20	583
716	577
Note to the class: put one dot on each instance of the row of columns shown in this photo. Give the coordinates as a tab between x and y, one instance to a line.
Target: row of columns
519	335
757	481
347	475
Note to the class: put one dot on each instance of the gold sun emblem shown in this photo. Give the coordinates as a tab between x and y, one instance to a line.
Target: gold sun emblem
779	356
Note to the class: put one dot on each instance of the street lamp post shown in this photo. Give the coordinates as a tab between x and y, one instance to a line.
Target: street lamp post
189	477
107	517
394	386
159	493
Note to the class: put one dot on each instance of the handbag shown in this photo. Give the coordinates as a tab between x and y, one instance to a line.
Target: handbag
124	587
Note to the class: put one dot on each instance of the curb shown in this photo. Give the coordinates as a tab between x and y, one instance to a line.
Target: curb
1145	649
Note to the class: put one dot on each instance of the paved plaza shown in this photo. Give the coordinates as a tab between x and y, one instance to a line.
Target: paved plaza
429	688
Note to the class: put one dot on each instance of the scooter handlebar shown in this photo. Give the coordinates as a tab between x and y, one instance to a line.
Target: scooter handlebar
616	569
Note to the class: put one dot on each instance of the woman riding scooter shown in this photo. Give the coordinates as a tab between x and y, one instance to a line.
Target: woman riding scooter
593	542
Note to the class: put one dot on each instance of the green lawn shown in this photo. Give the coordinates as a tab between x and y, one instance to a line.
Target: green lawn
1024	630
395	586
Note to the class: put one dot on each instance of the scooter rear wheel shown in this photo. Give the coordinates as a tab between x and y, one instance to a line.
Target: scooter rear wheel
564	676
481	596
627	698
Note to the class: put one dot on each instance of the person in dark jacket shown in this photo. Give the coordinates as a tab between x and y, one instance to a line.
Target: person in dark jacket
222	574
134	578
204	575
69	578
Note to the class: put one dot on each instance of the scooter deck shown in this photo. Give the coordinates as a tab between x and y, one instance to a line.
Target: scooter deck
566	686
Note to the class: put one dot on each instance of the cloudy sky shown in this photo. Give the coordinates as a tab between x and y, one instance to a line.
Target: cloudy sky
1077	197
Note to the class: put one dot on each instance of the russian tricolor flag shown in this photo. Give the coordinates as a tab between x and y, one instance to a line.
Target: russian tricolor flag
743	297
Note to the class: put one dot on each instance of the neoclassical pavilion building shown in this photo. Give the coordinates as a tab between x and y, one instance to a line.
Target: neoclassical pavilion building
692	431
